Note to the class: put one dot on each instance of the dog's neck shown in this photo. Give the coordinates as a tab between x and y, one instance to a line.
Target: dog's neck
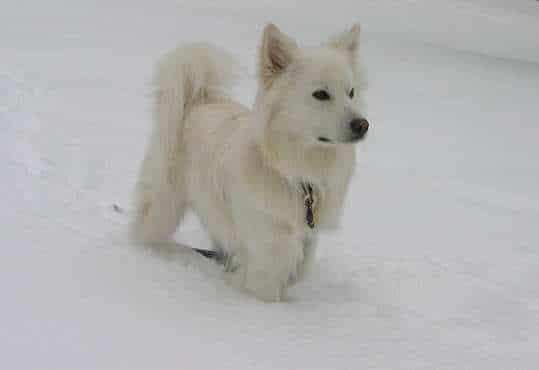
296	160
296	163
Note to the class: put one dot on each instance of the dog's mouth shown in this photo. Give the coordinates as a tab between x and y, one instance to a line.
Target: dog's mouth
324	139
354	139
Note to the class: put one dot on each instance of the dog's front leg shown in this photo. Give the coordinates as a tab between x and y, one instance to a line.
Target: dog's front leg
309	251
271	265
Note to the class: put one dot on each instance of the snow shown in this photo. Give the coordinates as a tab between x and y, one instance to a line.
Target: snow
436	265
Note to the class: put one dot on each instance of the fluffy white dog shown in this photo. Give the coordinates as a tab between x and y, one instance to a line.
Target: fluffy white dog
262	181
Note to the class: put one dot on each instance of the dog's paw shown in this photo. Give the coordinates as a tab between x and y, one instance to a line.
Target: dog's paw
267	292
263	285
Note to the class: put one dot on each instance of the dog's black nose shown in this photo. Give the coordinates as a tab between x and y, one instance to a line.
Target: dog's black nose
359	127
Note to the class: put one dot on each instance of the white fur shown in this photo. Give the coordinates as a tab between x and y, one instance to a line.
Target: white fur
240	170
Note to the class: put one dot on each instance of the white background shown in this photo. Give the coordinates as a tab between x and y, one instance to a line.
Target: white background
436	265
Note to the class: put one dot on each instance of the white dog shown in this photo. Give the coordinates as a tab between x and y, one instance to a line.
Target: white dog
263	182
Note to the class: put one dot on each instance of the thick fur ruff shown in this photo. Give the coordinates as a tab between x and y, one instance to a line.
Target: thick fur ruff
241	170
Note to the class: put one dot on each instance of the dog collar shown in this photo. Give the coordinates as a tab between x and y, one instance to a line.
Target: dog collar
308	200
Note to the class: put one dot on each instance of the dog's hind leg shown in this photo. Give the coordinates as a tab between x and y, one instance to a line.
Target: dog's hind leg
160	194
185	77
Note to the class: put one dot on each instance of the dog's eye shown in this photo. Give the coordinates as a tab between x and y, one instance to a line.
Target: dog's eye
321	95
351	94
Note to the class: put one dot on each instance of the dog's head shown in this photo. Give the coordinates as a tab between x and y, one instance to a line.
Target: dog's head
312	94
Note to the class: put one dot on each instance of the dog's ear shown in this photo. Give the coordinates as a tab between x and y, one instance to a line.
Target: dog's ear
276	53
348	42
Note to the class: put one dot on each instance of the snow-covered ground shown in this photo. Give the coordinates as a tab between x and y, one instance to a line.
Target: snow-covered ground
436	265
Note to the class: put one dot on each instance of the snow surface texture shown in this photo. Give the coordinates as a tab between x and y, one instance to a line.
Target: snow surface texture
436	265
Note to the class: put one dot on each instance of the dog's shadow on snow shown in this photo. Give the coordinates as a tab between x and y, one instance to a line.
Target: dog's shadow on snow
173	251
322	284
329	283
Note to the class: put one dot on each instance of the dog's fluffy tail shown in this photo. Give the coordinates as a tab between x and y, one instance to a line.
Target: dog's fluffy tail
185	77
